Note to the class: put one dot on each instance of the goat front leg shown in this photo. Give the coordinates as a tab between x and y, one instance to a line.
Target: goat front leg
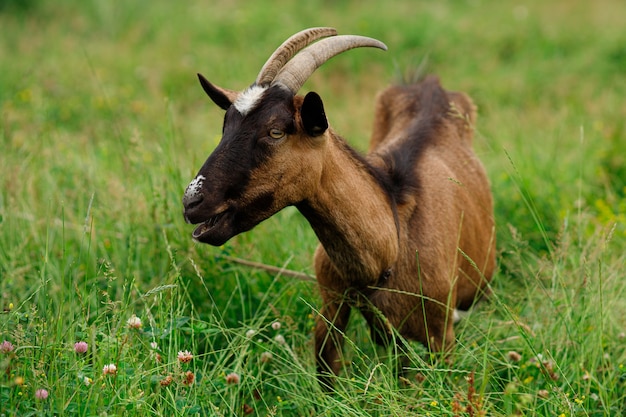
329	336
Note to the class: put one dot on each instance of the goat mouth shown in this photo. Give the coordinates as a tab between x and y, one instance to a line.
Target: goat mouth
208	225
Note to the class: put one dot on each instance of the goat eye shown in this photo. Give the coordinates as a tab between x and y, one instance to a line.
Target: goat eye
276	133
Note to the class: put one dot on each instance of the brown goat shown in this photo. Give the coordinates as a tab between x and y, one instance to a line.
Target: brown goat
406	232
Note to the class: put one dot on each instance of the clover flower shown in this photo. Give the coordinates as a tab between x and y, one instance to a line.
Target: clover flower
233	378
185	356
41	394
266	357
6	347
166	381
110	369
80	347
134	322
188	378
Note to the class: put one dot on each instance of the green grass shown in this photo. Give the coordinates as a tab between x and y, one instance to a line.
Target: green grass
103	125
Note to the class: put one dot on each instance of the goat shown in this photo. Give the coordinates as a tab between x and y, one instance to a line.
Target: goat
406	232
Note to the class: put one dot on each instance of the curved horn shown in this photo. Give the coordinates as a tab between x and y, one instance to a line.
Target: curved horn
288	49
295	73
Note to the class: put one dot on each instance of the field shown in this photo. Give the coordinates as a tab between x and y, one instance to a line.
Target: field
103	125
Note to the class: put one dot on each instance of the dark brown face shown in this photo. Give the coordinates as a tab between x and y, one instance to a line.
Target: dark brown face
266	159
236	188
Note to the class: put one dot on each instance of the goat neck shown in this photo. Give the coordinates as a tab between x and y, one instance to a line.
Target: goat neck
352	216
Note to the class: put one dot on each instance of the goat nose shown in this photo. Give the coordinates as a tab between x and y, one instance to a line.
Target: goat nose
193	196
190	201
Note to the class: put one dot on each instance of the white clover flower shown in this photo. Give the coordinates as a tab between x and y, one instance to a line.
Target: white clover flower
185	356
266	357
110	369
134	322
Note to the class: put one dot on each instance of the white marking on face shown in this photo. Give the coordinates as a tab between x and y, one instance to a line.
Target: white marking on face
248	99
194	187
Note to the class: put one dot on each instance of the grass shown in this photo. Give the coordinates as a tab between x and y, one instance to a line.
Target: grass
103	125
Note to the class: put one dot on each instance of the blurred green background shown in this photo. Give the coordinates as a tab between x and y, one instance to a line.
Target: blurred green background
103	125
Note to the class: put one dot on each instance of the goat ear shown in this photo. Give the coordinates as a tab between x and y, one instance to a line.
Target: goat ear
220	96
313	116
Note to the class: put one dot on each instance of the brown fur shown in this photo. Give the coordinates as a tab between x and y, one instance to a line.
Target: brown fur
444	246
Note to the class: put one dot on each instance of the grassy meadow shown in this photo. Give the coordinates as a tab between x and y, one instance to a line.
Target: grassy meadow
103	125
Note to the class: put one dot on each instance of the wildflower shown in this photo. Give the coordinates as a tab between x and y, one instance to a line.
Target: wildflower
6	347
233	378
250	333
266	357
134	322
188	378
87	381
41	394
434	403
109	369
166	381
514	356
276	325
80	347
280	339
154	345
19	380
185	356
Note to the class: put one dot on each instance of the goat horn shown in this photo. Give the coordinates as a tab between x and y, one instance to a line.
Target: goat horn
295	73
288	49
